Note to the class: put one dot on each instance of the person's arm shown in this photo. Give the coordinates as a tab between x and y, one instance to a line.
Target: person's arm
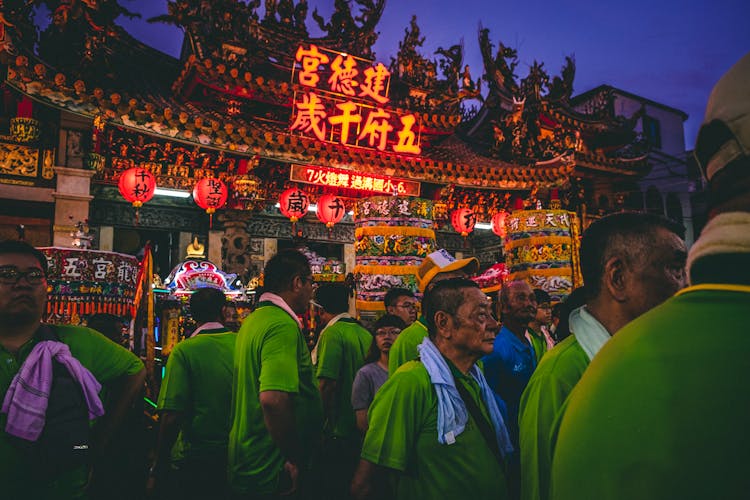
124	391
368	481
278	414
169	428
328	388
361	416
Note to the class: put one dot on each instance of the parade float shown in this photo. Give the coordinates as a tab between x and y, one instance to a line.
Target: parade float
84	282
392	236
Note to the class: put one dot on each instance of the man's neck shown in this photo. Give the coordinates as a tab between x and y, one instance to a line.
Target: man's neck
461	359
536	326
609	315
13	337
516	328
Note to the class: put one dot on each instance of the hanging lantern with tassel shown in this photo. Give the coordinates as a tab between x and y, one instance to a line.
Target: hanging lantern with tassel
210	194
463	220
137	185
498	223
331	209
293	204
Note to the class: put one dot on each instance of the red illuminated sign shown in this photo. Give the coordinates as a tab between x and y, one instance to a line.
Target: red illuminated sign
347	179
342	101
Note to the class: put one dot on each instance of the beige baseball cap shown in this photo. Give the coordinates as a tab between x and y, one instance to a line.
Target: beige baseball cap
442	262
725	133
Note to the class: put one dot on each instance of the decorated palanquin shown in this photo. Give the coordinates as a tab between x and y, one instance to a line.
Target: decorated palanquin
86	282
542	248
392	236
492	279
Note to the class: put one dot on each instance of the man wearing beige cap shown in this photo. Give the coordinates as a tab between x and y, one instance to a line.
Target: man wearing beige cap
438	266
662	410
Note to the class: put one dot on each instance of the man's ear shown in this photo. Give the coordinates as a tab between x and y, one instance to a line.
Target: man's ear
297	283
442	322
614	278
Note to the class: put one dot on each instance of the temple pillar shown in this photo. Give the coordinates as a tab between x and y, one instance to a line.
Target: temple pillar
72	200
214	247
106	238
349	262
270	247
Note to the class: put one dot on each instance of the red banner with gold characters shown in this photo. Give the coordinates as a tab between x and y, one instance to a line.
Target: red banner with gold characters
341	98
347	179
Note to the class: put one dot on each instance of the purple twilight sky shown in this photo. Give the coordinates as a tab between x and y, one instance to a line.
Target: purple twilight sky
670	51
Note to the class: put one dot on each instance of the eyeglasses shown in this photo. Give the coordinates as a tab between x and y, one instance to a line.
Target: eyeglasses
11	276
409	305
387	331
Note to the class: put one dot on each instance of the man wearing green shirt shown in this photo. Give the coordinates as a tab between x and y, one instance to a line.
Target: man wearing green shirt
194	404
276	408
662	410
631	262
435	430
437	266
341	353
23	296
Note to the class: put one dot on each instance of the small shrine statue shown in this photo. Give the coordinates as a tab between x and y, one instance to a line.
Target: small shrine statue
196	250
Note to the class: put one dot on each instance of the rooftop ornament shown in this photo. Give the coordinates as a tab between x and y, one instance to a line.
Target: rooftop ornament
249	191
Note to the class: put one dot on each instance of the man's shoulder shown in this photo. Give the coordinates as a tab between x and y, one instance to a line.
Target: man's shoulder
411	373
565	362
414	332
198	344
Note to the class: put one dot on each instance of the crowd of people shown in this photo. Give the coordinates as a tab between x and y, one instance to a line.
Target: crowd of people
634	387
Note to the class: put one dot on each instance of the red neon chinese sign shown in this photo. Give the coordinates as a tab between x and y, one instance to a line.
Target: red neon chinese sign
342	101
347	179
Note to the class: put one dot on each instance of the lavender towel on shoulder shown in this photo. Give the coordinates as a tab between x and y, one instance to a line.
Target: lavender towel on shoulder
26	401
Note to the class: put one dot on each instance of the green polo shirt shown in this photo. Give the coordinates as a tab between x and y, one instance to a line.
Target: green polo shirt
106	360
270	355
402	435
541	404
405	347
341	353
662	411
539	343
198	383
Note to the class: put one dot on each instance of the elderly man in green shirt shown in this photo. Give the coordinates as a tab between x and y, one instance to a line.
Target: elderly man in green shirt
276	409
436	431
438	266
631	262
341	353
23	297
194	404
662	410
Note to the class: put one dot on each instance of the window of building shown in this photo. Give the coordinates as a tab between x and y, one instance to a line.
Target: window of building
652	131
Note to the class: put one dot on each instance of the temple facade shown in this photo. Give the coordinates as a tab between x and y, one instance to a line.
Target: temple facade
259	104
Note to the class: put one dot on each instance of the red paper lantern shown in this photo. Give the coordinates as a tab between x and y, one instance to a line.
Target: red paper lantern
293	203
137	185
498	223
331	209
463	220
210	194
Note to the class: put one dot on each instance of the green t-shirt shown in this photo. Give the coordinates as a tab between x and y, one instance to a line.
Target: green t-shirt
270	355
662	411
402	435
341	353
106	360
405	347
539	343
198	383
541	403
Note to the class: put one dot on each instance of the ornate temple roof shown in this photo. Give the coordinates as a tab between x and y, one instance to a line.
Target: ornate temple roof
231	97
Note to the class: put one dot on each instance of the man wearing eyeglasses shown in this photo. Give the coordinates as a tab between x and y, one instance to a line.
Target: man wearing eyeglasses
402	303
68	355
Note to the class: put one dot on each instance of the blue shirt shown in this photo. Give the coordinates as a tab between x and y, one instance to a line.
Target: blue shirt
508	370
